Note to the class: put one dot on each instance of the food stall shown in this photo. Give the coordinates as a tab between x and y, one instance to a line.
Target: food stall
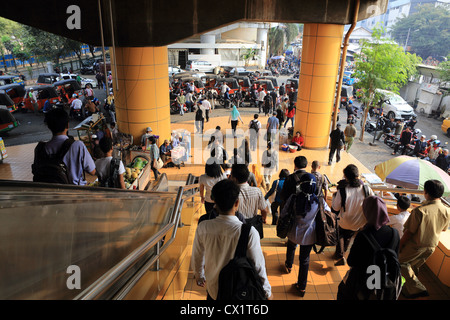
88	127
137	172
3	153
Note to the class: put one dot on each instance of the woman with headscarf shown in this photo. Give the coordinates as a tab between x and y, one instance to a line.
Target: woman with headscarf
235	116
362	253
304	205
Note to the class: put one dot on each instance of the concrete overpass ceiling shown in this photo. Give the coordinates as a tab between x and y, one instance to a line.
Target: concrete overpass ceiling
142	23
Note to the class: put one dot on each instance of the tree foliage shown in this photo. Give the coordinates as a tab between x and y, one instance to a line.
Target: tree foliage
425	31
282	35
382	65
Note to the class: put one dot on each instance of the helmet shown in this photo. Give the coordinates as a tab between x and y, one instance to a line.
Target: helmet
350	102
437	142
433	137
74	95
417	131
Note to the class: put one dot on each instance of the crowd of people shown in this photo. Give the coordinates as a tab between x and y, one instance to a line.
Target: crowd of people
230	201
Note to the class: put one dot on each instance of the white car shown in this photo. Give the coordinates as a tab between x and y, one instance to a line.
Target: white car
200	65
174	70
394	106
84	81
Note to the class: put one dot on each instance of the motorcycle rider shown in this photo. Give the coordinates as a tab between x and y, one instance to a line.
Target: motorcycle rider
387	127
412	122
420	145
405	140
433	151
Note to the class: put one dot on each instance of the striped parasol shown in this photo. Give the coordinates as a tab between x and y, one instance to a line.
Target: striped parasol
411	173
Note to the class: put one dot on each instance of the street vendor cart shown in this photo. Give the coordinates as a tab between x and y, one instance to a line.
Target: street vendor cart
88	127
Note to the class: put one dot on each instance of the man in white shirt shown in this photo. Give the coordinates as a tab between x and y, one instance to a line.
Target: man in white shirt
216	240
207	107
261	96
75	105
351	216
33	98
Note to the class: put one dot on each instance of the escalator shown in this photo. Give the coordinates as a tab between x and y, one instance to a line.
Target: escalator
61	242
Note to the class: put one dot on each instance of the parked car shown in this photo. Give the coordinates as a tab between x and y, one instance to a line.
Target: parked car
16	92
234	71
446	126
87	69
44	92
84	81
174	70
10	79
6	102
394	106
200	65
47	78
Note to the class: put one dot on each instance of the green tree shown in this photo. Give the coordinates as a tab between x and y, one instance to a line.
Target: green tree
444	70
282	35
425	31
381	65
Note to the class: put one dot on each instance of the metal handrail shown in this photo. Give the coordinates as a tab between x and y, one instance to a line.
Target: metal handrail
109	278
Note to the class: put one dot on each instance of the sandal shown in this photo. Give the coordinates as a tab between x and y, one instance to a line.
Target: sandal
300	291
288	270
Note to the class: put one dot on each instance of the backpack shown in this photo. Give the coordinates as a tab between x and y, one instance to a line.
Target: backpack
112	180
341	187
326	228
387	260
268	157
254	125
286	221
238	280
51	168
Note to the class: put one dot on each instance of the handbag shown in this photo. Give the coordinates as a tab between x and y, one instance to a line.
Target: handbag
256	222
159	163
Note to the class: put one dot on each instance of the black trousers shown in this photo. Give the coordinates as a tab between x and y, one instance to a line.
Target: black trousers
345	236
334	150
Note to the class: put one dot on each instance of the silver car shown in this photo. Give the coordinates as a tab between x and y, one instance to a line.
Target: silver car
394	106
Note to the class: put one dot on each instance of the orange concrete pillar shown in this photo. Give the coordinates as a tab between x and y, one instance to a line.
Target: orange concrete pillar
142	99
317	82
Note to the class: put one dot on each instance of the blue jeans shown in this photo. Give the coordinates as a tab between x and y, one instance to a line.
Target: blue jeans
292	121
303	260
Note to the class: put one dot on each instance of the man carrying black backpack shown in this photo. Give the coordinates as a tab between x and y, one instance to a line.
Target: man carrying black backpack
62	159
110	170
215	245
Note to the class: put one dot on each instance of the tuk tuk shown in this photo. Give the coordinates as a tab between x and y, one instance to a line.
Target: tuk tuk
7	121
230	82
291	84
266	84
273	79
263	73
9	79
198	83
67	88
6	102
210	80
244	83
346	95
44	92
16	92
47	78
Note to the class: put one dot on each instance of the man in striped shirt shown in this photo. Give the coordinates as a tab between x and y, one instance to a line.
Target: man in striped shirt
251	199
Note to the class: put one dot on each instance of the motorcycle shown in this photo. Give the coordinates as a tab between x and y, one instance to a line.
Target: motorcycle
370	127
390	139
